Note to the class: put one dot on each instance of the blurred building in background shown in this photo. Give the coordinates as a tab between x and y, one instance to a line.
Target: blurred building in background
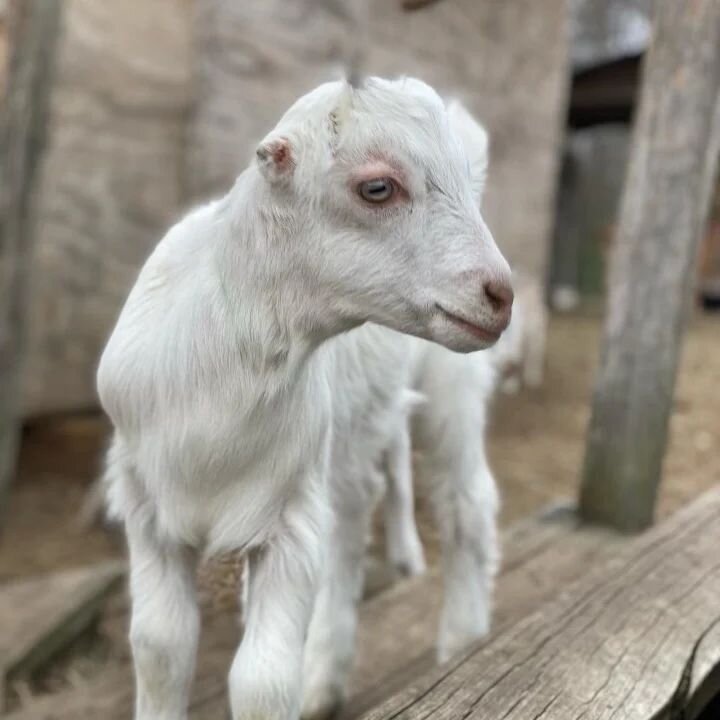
609	38
608	41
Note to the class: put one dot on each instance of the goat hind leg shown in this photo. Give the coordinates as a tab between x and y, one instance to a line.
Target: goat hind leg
403	546
465	502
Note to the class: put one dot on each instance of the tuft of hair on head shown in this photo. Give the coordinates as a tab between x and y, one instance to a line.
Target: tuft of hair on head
356	13
355	72
354	78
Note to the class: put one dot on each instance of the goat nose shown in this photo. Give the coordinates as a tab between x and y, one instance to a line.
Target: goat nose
500	295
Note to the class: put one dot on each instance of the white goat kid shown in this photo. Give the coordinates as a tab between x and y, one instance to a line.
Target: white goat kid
463	414
449	431
359	208
373	373
451	394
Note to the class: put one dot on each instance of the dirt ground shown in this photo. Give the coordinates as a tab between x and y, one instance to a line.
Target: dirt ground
536	445
537	439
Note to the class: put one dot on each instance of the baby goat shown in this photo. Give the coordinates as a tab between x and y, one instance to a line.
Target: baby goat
222	388
386	376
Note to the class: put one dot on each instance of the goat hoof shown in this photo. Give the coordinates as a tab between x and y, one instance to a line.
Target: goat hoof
322	704
411	567
409	559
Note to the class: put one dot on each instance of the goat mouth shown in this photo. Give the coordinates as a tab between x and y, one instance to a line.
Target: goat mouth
482	333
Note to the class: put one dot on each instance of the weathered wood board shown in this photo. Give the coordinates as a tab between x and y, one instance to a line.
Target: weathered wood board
396	635
111	182
3	46
23	122
397	629
40	616
664	208
638	638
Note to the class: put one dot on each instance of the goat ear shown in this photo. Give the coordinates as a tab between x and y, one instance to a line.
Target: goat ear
275	159
475	142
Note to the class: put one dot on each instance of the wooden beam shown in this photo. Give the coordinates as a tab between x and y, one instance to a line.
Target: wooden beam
417	4
41	616
663	213
638	637
33	33
398	628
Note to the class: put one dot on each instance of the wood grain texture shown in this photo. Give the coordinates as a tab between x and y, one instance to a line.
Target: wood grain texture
663	213
111	182
506	59
417	4
3	46
41	616
396	639
22	141
397	628
636	639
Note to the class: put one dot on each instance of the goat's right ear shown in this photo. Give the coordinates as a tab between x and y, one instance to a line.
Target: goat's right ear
275	159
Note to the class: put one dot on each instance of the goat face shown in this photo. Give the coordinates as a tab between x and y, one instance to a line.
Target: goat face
382	197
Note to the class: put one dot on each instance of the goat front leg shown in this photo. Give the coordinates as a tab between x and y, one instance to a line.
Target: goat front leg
282	579
331	641
403	546
164	626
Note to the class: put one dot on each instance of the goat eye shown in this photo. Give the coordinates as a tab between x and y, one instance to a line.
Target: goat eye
376	191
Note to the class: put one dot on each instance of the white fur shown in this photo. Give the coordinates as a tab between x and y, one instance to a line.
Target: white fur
449	394
450	430
224	387
448	397
373	374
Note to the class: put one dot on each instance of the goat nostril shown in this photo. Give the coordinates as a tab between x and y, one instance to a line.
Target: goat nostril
499	294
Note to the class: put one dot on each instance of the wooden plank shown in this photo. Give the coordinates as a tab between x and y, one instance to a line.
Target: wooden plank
405	617
110	695
417	4
41	616
636	639
397	629
3	47
22	138
664	209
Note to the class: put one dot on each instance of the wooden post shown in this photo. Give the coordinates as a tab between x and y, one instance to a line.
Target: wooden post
663	213
33	32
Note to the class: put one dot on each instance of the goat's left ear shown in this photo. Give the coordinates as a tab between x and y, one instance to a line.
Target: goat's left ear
275	159
475	141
